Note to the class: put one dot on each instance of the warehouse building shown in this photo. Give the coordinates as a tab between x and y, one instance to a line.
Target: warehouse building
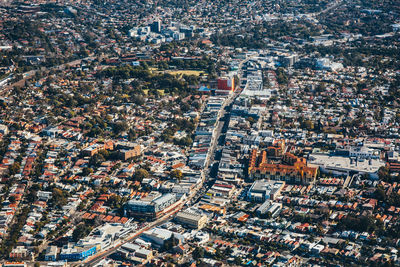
191	219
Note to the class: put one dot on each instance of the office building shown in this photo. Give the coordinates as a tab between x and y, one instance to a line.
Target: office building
225	84
156	26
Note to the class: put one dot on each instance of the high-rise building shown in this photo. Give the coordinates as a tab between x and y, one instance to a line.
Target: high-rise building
156	26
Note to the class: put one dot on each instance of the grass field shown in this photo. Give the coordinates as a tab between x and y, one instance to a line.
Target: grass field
186	72
178	72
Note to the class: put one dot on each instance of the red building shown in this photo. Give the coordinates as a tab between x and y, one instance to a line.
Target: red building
226	84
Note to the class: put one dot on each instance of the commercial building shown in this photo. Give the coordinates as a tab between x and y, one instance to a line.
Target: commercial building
76	253
214	209
327	64
191	219
57	264
262	190
51	253
150	206
337	165
104	236
288	60
20	252
225	84
137	252
14	264
3	129
127	150
253	83
95	148
270	208
363	152
157	236
221	189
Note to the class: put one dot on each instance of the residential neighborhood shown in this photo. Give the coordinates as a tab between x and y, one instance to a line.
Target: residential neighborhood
199	133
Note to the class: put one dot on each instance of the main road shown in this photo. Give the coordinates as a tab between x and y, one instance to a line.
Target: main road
29	74
91	261
95	259
328	8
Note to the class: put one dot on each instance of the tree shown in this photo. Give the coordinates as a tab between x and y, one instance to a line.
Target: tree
185	107
59	198
357	223
120	127
114	201
251	120
383	174
380	193
98	158
14	169
176	174
228	251
308	124
218	254
282	77
140	174
185	141
321	87
238	260
198	253
86	171
167	134
170	243
80	232
12	199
